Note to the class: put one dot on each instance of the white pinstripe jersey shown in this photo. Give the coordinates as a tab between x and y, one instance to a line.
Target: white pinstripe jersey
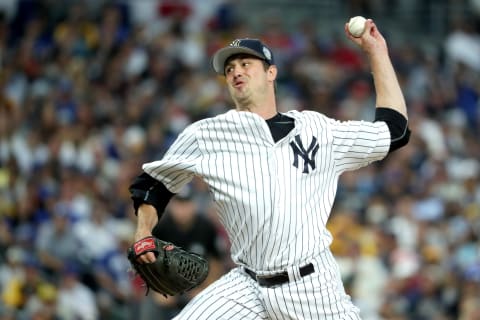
274	199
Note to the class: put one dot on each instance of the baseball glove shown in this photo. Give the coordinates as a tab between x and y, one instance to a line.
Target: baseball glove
173	272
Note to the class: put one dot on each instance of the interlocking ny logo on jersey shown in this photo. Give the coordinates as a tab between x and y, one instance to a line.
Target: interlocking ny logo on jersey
299	151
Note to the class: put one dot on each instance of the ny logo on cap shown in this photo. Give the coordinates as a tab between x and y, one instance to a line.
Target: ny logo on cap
235	43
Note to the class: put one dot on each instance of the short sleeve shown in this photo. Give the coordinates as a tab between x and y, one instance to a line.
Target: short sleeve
358	143
178	166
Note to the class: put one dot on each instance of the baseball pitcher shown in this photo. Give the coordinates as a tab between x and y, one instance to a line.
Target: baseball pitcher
273	177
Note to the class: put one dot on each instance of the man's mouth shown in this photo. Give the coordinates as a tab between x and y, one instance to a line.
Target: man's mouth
238	84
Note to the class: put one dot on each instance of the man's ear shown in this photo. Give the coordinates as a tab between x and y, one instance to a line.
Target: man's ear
272	72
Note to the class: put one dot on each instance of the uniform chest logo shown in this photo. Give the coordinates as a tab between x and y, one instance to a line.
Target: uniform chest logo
307	155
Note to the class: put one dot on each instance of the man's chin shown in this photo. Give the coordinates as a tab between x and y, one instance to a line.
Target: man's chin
239	95
242	102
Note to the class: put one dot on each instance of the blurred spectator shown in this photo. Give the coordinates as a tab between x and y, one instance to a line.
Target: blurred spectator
95	236
462	45
75	299
12	275
115	287
56	243
77	35
42	305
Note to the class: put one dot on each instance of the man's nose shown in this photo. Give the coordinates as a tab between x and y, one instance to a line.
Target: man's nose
237	71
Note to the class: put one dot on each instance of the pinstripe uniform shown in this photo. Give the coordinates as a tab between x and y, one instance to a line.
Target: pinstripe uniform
274	199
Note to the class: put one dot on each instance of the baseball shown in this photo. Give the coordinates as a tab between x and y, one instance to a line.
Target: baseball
356	26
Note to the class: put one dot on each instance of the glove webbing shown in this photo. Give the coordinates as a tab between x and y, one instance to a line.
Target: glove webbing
147	269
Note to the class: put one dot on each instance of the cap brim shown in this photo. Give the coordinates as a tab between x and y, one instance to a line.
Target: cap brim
222	55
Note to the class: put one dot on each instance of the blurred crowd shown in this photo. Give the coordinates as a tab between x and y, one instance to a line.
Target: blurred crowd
90	90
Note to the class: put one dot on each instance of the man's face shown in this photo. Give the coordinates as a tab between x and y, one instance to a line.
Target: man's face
183	211
246	78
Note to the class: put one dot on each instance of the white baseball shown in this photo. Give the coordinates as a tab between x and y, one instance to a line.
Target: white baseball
356	26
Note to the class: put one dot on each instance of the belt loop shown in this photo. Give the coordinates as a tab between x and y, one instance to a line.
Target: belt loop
294	273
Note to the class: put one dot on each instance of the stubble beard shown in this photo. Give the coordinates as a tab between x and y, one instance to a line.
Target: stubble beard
242	99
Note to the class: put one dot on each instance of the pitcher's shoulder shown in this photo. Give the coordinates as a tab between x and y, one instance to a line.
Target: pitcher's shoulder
307	115
217	122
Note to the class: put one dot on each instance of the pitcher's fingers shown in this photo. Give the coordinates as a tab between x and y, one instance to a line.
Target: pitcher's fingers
148	257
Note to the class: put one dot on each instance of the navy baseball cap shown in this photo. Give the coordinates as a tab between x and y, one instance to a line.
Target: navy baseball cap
253	47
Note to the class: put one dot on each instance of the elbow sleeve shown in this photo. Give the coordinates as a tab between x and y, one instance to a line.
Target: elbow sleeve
146	189
397	124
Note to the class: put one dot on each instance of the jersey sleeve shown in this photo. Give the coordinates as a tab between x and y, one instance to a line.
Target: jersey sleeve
178	165
358	143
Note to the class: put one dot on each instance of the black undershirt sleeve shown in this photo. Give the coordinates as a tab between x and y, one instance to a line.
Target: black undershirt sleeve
146	189
397	124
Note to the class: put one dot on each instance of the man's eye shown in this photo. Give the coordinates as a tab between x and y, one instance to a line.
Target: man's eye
228	70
